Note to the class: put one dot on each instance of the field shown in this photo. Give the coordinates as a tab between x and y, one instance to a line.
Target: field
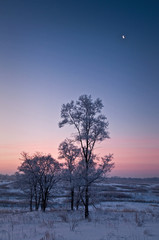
122	209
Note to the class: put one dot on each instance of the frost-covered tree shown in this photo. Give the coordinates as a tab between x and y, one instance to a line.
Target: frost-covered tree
91	128
38	173
69	152
86	178
49	170
28	179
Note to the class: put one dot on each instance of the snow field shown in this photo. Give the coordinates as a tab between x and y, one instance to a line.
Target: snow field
112	222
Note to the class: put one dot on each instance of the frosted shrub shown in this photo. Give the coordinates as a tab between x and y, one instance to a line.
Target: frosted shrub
64	216
139	220
73	224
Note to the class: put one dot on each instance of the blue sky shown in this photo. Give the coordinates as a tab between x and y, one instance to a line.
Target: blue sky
54	51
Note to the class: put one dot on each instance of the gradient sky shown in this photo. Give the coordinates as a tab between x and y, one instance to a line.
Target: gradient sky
53	51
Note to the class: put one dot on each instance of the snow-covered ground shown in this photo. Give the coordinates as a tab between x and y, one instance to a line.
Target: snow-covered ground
112	222
126	211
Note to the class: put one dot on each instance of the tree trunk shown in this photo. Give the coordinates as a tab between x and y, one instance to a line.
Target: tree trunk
86	203
31	201
37	200
86	190
44	200
72	199
43	205
36	205
31	205
78	198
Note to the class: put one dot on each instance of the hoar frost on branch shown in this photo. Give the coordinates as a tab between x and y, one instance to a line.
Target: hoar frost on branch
39	173
91	128
69	152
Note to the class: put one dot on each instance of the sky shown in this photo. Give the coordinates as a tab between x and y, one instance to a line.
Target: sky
53	51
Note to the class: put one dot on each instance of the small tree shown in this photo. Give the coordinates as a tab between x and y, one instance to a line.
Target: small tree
91	128
28	179
69	152
49	170
39	173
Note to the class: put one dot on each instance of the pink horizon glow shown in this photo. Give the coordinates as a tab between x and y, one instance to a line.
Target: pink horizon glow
132	157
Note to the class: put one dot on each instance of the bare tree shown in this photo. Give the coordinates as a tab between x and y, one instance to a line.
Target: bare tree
91	128
69	152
